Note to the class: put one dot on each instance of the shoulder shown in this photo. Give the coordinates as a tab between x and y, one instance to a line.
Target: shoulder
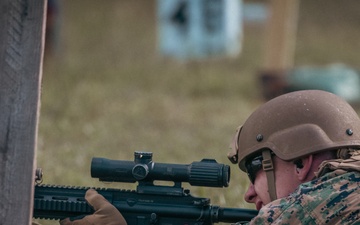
326	200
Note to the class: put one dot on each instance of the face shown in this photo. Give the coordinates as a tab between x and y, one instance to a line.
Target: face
286	182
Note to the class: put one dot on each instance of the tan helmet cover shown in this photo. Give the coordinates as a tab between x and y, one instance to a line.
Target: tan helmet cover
297	124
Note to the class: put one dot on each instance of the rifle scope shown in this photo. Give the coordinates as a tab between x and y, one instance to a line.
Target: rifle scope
207	172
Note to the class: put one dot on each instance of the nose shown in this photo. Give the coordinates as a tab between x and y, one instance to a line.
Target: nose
250	194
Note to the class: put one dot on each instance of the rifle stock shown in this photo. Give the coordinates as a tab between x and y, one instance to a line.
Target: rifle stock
149	204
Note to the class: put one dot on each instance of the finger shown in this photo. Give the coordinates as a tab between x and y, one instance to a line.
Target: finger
94	199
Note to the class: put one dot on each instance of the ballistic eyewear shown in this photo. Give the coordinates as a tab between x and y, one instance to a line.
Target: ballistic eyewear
253	166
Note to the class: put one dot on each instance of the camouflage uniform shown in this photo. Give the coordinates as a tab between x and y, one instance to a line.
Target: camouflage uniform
332	198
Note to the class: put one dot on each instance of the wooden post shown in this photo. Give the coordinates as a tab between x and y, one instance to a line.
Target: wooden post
21	54
281	34
280	42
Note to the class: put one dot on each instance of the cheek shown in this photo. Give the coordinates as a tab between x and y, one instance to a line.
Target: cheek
286	183
261	187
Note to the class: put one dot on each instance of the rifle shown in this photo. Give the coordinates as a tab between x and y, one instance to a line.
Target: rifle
149	204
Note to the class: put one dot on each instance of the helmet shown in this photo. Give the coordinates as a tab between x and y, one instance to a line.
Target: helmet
297	124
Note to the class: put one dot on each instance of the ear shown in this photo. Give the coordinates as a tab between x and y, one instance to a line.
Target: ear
302	173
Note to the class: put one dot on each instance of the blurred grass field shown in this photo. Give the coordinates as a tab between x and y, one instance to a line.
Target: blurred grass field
107	92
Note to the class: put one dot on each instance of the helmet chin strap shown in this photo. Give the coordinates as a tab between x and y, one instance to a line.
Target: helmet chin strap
268	167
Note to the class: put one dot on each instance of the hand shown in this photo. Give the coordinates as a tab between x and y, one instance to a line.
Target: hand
105	213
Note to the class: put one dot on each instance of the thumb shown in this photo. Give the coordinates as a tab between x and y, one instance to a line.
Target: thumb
105	212
94	199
